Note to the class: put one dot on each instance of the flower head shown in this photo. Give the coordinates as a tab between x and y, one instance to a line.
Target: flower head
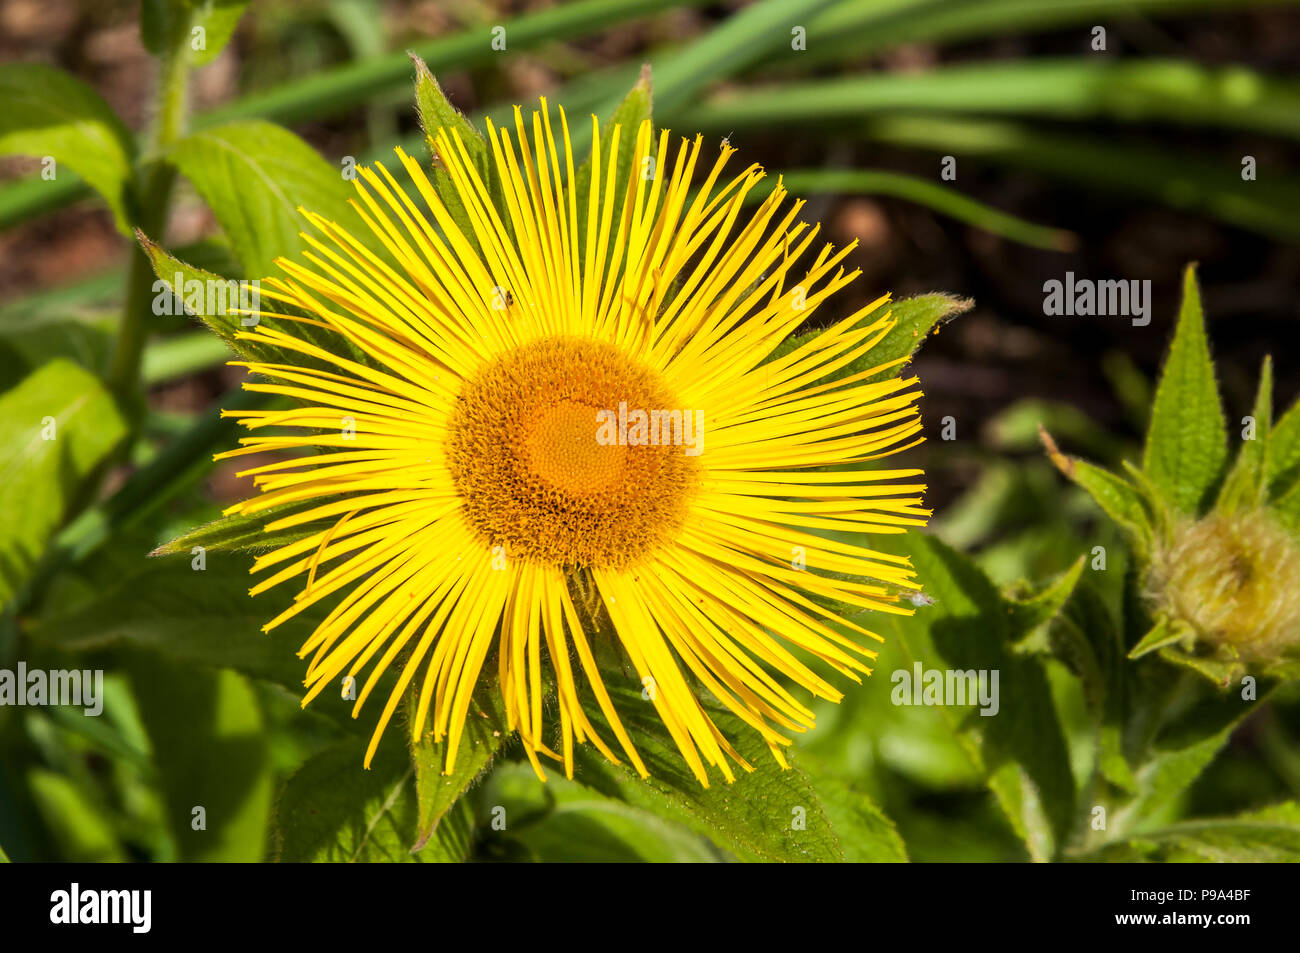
1234	577
571	427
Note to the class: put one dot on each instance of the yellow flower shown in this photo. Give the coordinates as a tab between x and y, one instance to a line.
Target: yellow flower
495	489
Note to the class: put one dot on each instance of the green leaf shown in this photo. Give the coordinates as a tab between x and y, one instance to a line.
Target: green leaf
56	429
334	811
1075	88
1269	835
218	19
222	318
436	112
1180	178
1020	749
1246	486
437	789
1187	443
164	24
80	827
28	343
211	751
752	34
756	818
1287	508
48	112
218	303
1026	615
1127	505
939	198
255	176
914	318
563	821
243	533
865	833
856	30
1164	776
1283	466
198	617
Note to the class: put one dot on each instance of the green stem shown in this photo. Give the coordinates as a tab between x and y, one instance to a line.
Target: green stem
155	196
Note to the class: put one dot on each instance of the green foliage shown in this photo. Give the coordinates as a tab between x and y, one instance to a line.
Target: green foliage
1019	751
437	114
1108	698
50	113
1187	443
263	223
767	814
333	813
162	607
1184	482
439	788
57	427
204	26
207	738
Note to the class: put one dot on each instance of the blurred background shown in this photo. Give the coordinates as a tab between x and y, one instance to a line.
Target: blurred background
1096	137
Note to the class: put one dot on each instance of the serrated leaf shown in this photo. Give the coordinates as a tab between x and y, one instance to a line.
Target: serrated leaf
1283	467
243	533
48	112
333	811
436	112
437	789
210	751
57	427
1246	486
914	319
255	175
216	302
754	818
1187	442
1127	505
224	318
1026	615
